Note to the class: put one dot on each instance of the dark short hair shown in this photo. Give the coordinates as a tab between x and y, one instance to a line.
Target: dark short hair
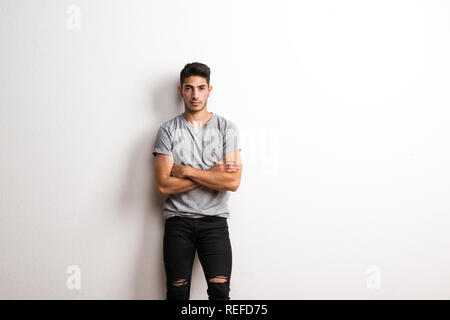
195	69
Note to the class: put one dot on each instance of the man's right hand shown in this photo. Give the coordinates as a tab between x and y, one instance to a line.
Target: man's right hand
230	166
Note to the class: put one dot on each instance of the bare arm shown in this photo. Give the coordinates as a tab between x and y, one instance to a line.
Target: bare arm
214	178
167	184
220	177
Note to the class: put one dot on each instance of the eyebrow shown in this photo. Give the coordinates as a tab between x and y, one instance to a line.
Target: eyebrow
188	85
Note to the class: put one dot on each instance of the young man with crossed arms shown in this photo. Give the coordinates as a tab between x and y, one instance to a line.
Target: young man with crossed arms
197	164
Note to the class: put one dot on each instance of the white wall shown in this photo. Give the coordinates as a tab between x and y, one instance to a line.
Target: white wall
343	112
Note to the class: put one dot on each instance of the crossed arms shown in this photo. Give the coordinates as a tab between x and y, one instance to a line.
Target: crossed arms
179	178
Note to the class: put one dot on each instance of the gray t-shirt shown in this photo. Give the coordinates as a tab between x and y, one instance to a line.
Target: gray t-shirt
199	148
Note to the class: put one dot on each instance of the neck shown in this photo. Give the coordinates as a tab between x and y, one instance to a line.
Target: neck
199	118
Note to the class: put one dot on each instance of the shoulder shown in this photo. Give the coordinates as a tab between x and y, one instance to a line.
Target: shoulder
225	124
169	127
171	123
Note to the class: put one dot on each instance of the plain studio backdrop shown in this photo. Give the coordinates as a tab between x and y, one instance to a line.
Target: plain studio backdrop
343	112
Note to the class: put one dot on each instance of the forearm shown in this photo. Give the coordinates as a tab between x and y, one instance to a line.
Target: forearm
216	180
174	185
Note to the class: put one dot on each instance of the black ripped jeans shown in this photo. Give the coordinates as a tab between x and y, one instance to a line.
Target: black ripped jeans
210	237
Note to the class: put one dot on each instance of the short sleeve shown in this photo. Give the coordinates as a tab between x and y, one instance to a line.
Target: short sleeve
163	144
231	141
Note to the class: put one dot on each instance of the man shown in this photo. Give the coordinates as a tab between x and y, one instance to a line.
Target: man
197	165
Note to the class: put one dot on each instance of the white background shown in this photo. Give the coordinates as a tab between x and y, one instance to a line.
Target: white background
343	110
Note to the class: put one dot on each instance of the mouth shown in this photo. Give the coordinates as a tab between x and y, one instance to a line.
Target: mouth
196	102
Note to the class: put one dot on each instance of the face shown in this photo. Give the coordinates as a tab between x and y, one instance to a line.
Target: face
195	93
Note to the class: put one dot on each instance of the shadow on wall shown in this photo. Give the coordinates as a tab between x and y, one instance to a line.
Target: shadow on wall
140	195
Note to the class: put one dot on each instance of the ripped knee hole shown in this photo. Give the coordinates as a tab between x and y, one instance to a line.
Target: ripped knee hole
219	279
180	283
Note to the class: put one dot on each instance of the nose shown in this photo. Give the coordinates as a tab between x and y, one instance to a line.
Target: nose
195	94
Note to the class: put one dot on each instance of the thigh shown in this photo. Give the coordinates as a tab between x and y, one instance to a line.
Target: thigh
214	247
179	248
